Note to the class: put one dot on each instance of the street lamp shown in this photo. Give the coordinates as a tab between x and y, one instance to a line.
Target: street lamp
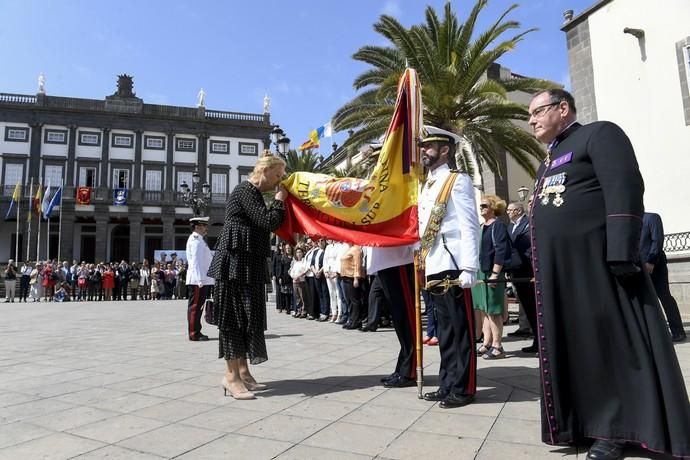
522	192
281	141
197	197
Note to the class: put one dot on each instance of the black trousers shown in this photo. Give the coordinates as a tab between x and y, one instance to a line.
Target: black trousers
458	370
24	287
526	296
354	297
195	306
660	280
377	299
398	287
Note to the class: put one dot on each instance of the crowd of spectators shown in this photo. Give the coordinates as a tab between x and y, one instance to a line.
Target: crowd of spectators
50	281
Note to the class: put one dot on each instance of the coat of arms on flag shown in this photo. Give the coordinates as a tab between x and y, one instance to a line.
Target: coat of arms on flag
120	197
83	195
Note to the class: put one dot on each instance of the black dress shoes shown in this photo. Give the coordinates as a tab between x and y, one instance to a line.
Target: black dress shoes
679	337
399	382
520	333
605	450
199	338
531	349
452	400
438	395
388	377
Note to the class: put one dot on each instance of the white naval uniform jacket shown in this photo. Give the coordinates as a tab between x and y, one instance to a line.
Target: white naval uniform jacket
460	226
380	258
198	260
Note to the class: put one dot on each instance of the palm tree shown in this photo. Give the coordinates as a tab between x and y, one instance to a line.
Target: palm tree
306	161
456	94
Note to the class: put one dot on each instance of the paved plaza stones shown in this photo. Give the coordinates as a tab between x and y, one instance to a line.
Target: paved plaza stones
120	380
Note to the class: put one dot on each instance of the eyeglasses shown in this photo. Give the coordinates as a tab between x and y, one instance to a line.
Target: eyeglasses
542	109
483	206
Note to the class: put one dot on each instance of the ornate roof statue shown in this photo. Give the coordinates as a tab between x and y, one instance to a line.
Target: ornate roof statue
125	86
41	84
267	104
201	98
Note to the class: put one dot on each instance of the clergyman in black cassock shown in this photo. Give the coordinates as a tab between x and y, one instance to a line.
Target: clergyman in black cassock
609	371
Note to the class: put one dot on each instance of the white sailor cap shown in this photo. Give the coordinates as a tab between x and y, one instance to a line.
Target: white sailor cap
434	134
199	220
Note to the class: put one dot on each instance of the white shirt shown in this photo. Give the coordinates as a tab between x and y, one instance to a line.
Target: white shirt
199	259
331	261
298	268
460	226
380	258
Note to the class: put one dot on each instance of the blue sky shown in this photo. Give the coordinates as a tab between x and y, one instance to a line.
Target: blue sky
297	51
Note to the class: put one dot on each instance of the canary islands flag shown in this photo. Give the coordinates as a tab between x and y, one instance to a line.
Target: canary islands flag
15	199
315	135
379	211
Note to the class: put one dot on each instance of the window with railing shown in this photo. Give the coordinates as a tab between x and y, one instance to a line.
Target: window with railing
120	178
219	187
153	184
184	176
52	175
14	173
87	176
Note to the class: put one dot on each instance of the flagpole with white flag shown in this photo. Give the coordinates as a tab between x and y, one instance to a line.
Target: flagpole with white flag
28	221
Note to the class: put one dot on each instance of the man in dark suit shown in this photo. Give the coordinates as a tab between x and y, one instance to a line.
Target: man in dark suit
654	259
520	238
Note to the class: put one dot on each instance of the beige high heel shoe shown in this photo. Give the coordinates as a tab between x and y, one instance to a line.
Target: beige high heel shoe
242	396
254	386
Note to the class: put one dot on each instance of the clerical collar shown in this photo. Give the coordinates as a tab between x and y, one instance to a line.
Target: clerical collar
567	131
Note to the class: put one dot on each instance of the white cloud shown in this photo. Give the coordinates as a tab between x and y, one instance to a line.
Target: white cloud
392	8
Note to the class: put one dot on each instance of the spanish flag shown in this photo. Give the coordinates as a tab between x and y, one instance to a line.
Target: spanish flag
38	201
379	211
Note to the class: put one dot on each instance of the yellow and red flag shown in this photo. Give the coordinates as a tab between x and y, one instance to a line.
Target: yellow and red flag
379	211
38	201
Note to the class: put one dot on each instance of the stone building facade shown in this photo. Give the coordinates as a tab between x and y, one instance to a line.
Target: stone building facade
118	143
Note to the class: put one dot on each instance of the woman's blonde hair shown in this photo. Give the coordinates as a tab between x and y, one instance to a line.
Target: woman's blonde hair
267	161
497	205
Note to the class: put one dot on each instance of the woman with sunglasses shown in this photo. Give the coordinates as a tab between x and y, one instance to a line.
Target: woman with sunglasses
489	298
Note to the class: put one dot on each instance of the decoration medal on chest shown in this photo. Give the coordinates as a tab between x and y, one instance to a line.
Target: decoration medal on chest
553	185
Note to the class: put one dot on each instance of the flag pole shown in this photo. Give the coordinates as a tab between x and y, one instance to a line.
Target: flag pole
28	222
418	325
38	237
62	194
16	238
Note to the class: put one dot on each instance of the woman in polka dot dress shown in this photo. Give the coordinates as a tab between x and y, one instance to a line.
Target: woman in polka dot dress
240	269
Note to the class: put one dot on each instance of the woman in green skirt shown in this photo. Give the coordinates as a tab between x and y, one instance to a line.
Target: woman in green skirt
489	298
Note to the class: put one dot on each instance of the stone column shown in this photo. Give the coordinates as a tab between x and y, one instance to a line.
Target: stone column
135	236
202	159
101	233
35	151
169	183
168	219
136	183
105	158
71	155
67	231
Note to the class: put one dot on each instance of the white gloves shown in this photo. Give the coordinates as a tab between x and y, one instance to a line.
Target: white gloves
467	279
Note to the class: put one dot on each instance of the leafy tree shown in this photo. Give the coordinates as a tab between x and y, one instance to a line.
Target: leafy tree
306	161
452	60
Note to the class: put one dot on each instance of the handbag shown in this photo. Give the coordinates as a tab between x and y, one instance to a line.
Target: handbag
512	263
210	314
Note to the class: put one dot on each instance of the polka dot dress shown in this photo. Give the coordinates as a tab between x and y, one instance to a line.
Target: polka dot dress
240	268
